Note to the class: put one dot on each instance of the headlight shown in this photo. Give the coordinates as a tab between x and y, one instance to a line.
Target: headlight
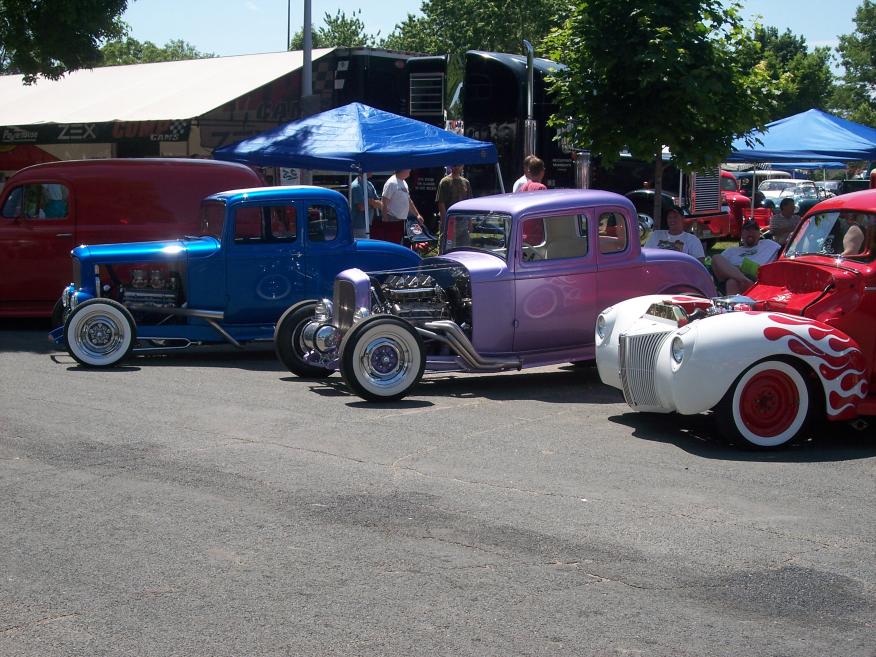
601	327
677	350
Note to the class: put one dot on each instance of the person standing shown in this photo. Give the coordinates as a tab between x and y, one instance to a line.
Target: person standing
452	189
357	198
397	204
783	222
522	180
535	174
674	237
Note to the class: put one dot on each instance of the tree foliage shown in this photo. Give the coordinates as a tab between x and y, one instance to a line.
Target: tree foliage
51	37
665	73
802	78
338	31
454	26
132	51
855	96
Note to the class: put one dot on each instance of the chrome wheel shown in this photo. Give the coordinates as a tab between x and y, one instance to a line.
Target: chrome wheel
99	333
382	358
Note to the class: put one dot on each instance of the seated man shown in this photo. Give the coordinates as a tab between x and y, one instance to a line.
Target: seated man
783	222
737	266
853	240
675	238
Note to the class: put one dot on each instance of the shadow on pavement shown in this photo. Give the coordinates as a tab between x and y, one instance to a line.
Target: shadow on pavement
698	435
568	385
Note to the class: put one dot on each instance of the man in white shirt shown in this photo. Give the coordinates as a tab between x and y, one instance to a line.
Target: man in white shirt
675	238
737	266
396	198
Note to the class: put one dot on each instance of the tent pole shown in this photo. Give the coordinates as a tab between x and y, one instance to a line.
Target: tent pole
499	174
364	183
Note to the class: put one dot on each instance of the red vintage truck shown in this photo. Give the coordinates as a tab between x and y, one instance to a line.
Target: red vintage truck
48	209
716	207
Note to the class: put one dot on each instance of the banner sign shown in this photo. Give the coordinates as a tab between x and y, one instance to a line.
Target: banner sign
80	133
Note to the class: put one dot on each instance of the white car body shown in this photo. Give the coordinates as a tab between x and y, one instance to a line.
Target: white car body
634	354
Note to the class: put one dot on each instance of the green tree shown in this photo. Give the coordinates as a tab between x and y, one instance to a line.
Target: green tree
802	78
132	51
51	37
666	73
854	97
454	26
339	31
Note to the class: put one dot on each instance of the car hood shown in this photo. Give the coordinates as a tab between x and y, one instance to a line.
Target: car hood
482	267
198	247
807	285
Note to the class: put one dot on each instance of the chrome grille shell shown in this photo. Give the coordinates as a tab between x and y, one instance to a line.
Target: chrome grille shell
344	301
638	358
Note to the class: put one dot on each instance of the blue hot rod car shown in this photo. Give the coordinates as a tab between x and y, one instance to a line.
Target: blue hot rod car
259	252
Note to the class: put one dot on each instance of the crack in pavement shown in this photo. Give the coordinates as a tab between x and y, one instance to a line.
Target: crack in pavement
39	621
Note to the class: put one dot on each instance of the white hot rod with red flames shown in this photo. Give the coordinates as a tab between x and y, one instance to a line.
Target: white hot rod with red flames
799	346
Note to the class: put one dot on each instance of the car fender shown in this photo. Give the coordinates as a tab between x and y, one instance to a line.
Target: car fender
721	347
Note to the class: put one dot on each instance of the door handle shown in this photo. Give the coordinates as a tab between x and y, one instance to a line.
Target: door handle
64	235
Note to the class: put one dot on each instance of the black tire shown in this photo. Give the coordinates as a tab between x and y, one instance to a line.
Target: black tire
287	341
100	333
769	405
57	314
381	342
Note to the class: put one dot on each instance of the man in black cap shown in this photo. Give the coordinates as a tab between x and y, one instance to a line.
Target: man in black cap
737	266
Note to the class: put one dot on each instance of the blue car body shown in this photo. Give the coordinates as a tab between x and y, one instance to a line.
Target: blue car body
262	251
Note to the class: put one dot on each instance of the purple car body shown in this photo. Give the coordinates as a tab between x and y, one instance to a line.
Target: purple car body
519	283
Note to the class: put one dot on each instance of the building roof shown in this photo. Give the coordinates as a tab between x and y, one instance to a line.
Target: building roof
142	92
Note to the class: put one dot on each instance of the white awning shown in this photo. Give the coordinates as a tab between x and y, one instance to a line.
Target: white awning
142	92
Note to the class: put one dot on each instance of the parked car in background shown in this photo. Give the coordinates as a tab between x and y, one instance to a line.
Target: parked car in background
256	252
518	283
828	188
47	209
800	346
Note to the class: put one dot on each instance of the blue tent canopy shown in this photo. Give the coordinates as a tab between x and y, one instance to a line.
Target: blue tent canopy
810	135
807	165
357	138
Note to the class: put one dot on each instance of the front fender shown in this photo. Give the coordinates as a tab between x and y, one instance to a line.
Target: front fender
719	348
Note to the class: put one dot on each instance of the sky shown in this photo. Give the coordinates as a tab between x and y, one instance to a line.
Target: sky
238	27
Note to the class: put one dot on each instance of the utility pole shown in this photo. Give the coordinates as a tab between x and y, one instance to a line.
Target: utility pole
288	24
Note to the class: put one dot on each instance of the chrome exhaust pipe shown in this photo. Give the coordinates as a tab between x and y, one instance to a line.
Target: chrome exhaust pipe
450	334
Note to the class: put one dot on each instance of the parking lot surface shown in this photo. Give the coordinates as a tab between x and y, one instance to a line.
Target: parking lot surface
210	503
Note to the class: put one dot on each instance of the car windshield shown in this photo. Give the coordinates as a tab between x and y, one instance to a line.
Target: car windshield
728	184
838	233
487	232
775	185
805	191
212	219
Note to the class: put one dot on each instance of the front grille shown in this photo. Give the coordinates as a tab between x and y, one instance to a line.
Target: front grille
638	357
344	300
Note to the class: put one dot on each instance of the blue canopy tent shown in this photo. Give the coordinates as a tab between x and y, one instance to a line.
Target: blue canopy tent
812	135
357	139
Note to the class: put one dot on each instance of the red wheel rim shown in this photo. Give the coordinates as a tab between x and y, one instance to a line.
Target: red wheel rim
769	403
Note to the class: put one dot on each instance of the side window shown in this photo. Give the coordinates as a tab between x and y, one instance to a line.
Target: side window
12	206
248	225
612	232
283	223
554	238
322	223
38	201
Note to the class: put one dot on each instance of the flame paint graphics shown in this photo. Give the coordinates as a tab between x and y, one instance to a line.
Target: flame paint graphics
833	354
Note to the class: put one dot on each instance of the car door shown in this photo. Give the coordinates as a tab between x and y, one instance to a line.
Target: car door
555	282
37	233
620	261
266	271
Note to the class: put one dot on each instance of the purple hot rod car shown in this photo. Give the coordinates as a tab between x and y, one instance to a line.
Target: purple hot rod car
519	283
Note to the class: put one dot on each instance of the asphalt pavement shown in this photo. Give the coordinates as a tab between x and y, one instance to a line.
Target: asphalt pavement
210	503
